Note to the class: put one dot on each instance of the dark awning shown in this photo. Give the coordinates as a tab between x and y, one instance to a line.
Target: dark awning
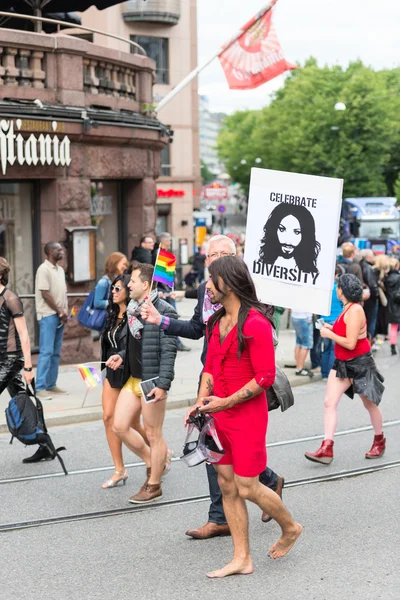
52	9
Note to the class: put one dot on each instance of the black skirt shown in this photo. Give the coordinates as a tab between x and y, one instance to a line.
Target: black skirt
366	379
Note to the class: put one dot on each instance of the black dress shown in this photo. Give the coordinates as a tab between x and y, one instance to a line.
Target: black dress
112	342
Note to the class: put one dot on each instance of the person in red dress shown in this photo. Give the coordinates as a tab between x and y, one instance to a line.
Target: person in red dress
240	366
354	370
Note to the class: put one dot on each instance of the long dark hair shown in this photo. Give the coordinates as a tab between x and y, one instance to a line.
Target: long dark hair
112	308
235	274
306	253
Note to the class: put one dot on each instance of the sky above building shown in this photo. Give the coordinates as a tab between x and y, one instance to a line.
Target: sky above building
333	31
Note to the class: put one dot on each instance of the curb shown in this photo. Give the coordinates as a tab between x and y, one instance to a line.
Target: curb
78	416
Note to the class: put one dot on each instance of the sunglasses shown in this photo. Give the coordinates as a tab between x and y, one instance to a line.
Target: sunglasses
115	288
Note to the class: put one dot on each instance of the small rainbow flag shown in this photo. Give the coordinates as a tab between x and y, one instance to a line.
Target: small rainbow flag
164	269
89	375
73	312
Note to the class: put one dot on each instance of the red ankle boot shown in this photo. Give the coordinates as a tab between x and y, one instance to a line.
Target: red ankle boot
378	447
323	455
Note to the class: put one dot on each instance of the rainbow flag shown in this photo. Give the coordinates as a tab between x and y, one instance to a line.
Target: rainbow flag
89	375
73	312
164	269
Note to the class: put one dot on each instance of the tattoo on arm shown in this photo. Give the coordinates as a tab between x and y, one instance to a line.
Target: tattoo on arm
210	387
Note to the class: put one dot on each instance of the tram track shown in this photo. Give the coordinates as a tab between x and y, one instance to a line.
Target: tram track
176	459
340	475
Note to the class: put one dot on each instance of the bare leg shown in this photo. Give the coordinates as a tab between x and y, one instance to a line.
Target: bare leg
237	518
334	391
137	426
301	358
109	401
251	489
128	406
375	415
153	419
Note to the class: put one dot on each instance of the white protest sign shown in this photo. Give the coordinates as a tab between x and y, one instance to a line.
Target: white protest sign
291	238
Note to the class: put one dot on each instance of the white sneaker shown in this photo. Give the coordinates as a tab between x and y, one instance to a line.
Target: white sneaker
43	395
57	391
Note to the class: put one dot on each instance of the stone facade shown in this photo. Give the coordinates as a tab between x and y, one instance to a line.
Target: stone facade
84	88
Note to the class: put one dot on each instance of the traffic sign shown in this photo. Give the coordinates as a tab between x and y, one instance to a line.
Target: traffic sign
221	208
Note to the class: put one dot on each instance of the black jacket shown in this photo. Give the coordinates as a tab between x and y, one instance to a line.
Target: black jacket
195	328
392	285
121	337
369	278
158	350
142	255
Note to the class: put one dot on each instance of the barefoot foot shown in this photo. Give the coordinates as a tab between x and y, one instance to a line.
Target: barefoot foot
285	543
244	567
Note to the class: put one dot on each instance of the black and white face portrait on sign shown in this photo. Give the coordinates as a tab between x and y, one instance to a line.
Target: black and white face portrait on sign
291	236
289	242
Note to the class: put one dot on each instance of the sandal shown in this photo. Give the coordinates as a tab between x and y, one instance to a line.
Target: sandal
304	373
111	483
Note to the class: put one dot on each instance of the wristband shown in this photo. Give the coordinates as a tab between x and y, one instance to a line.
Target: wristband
28	369
165	321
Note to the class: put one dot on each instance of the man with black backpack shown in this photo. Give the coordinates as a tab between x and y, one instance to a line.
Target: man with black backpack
348	264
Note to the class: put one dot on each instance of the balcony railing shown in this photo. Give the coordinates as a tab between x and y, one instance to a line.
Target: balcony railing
61	69
154	11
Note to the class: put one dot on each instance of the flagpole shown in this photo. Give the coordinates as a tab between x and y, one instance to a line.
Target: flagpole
175	91
152	279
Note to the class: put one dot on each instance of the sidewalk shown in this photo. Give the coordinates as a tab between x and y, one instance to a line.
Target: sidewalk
74	408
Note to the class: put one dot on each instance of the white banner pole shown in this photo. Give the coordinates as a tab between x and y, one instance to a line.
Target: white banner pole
175	91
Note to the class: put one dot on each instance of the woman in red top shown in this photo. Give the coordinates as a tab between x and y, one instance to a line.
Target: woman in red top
354	370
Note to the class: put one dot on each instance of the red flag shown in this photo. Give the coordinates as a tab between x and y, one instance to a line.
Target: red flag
256	56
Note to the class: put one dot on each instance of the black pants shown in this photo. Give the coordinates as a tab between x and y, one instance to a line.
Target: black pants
216	513
10	374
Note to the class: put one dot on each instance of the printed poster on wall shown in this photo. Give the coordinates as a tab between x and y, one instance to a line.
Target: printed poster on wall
291	238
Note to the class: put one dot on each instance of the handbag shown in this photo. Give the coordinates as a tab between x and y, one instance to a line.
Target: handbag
90	317
280	393
382	297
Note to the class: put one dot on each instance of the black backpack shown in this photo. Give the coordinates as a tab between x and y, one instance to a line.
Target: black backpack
342	268
25	420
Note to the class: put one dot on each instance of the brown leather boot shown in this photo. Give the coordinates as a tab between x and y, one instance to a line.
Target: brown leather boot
378	447
323	455
209	530
147	493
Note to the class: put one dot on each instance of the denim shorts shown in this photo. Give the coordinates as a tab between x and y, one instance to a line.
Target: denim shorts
304	333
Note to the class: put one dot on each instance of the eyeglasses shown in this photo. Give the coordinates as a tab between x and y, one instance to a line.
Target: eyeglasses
215	255
115	288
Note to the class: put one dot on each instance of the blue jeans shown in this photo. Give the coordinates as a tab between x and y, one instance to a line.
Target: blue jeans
50	341
315	352
327	357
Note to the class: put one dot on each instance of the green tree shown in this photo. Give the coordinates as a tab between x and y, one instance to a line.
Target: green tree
397	189
301	131
206	175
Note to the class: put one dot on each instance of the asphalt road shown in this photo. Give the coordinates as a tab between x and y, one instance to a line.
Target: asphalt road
349	549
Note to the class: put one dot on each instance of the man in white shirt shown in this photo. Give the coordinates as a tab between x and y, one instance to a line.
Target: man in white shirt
51	308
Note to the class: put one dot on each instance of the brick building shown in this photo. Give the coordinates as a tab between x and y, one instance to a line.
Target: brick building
76	152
